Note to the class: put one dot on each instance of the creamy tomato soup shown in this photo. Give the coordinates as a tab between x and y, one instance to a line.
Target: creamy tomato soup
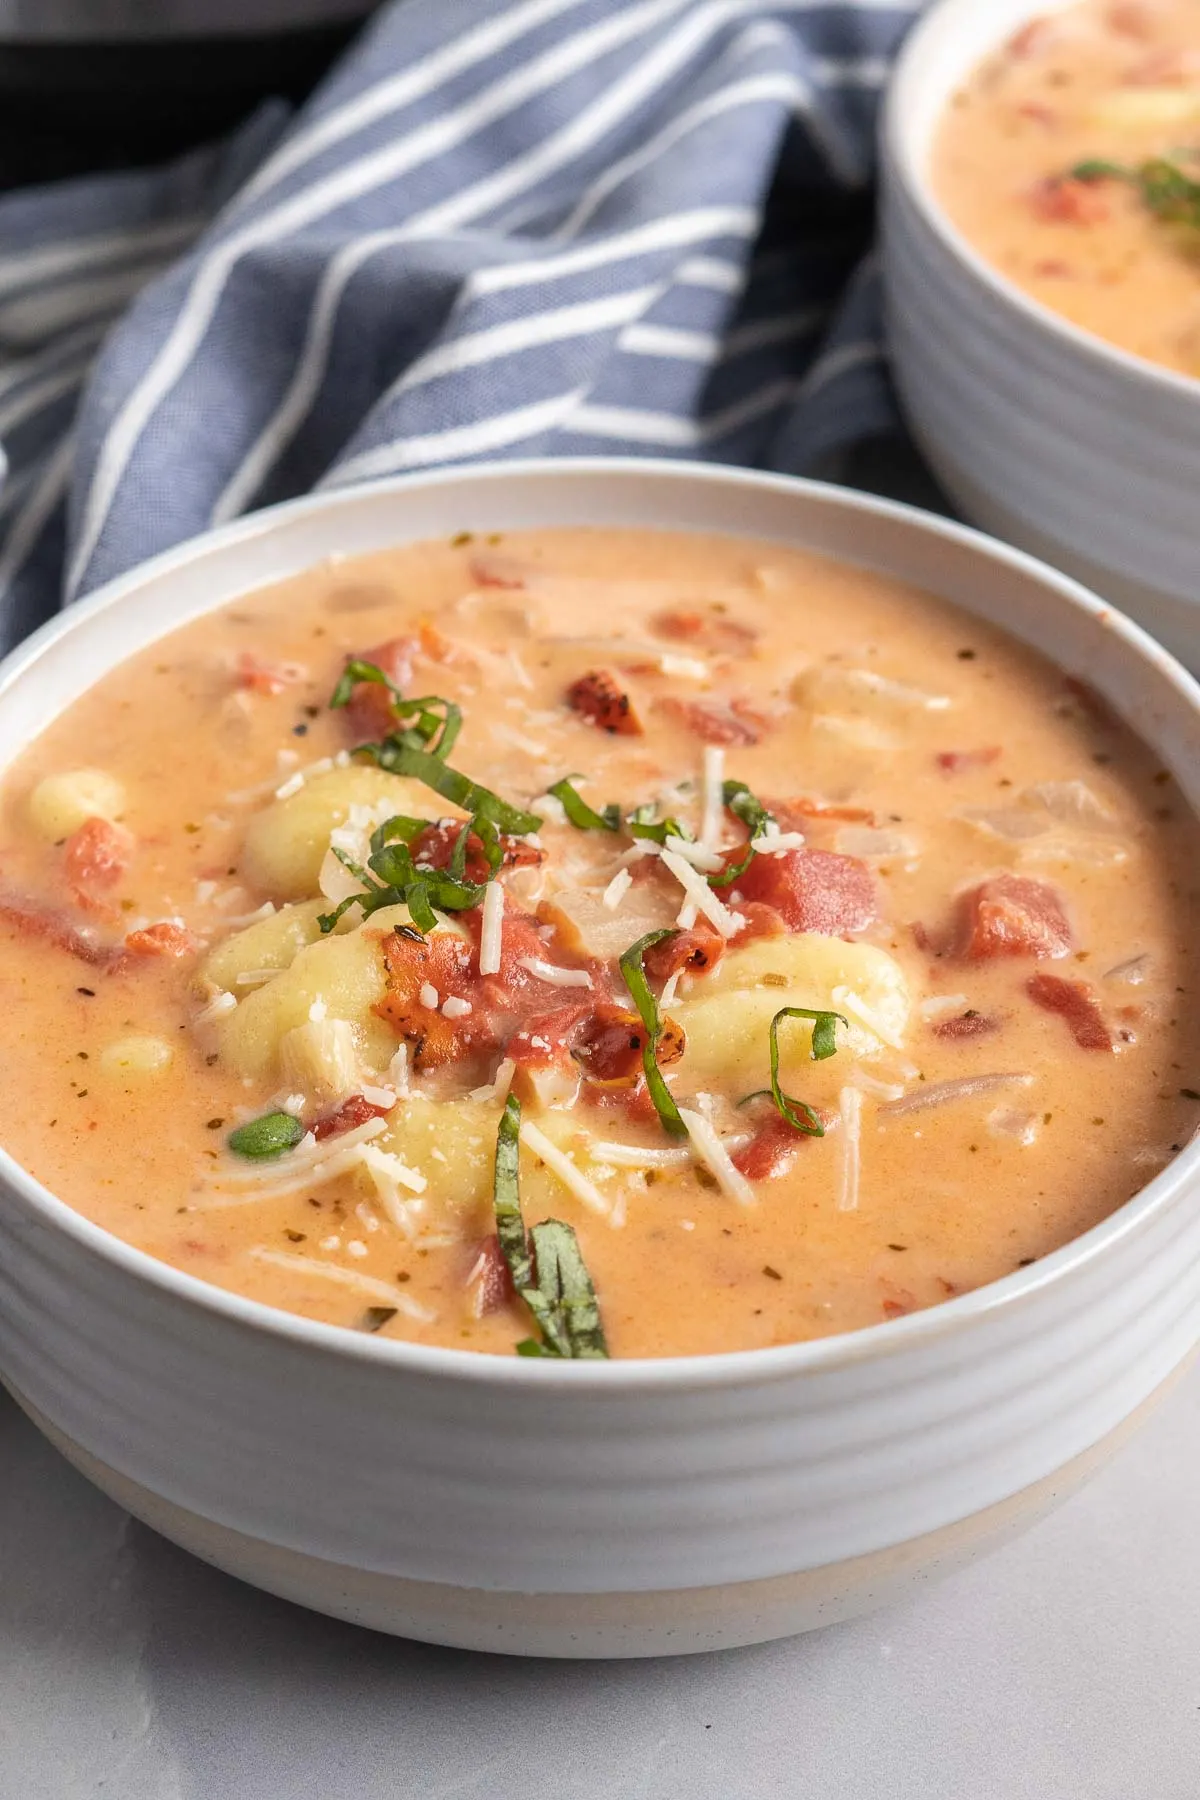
341	1006
1071	160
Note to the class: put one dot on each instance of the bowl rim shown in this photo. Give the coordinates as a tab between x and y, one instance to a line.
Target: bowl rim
898	154
637	1375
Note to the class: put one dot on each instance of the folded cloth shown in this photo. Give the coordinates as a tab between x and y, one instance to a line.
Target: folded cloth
554	227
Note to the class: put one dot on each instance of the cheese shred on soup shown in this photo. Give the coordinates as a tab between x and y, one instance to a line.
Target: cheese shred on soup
594	943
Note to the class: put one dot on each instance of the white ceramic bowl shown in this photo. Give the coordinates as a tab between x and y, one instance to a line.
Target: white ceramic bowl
1039	432
627	1508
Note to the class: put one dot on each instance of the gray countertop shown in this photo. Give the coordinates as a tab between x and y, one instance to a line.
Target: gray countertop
1066	1667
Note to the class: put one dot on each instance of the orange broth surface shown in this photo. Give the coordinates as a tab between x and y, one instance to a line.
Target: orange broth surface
1099	84
979	870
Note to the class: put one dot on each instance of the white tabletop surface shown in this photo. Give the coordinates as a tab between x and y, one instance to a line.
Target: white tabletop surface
1066	1667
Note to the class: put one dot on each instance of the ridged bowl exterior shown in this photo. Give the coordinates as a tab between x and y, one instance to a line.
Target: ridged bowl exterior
1083	454
513	1477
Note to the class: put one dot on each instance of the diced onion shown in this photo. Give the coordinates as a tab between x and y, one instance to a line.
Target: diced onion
562	1166
868	841
1009	1122
715	1157
1133	970
491	929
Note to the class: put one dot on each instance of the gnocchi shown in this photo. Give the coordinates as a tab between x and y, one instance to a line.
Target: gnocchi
61	803
285	844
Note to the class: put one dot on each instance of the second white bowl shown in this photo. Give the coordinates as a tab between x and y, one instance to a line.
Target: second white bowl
1041	433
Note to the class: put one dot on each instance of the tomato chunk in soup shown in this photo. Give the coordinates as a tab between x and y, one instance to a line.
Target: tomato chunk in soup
663	945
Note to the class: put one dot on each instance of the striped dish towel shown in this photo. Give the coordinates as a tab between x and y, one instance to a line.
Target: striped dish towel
549	227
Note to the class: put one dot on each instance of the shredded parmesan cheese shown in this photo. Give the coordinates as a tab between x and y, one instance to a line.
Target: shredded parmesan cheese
454	1007
617	889
712	1153
714	799
846	1000
701	897
554	976
498	1088
397	1072
363	1284
690	668
849	1148
642	1156
309	1162
429	997
698	855
291	786
219	1007
667	997
937	1006
378	1096
562	1166
491	929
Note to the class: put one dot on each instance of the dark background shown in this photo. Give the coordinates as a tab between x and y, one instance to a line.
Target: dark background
86	107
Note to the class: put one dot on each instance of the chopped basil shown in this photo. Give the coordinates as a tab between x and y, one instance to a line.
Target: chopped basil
581	815
824	1044
754	816
391	878
634	975
547	1267
269	1136
437	721
1167	190
400	758
641	823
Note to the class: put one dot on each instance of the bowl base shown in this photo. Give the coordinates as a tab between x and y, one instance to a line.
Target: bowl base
662	1622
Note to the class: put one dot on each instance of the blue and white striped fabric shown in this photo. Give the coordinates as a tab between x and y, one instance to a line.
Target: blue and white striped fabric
553	227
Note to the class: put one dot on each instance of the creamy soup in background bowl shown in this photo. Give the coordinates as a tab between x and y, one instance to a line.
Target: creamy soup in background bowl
269	1369
1041	319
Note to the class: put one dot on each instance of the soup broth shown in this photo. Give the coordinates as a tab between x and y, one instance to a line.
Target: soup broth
271	998
1071	160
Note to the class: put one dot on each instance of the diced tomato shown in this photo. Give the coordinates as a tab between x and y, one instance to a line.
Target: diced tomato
259	676
434	847
163	939
761	921
348	1117
897	1300
794	815
1012	915
771	1151
953	762
1130	20
966	1025
434	643
53	927
1065	200
1076	1004
492	571
609	1041
677	623
695	951
490	1279
369	712
597	697
713	722
96	856
686	625
811	890
442	962
1031	38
